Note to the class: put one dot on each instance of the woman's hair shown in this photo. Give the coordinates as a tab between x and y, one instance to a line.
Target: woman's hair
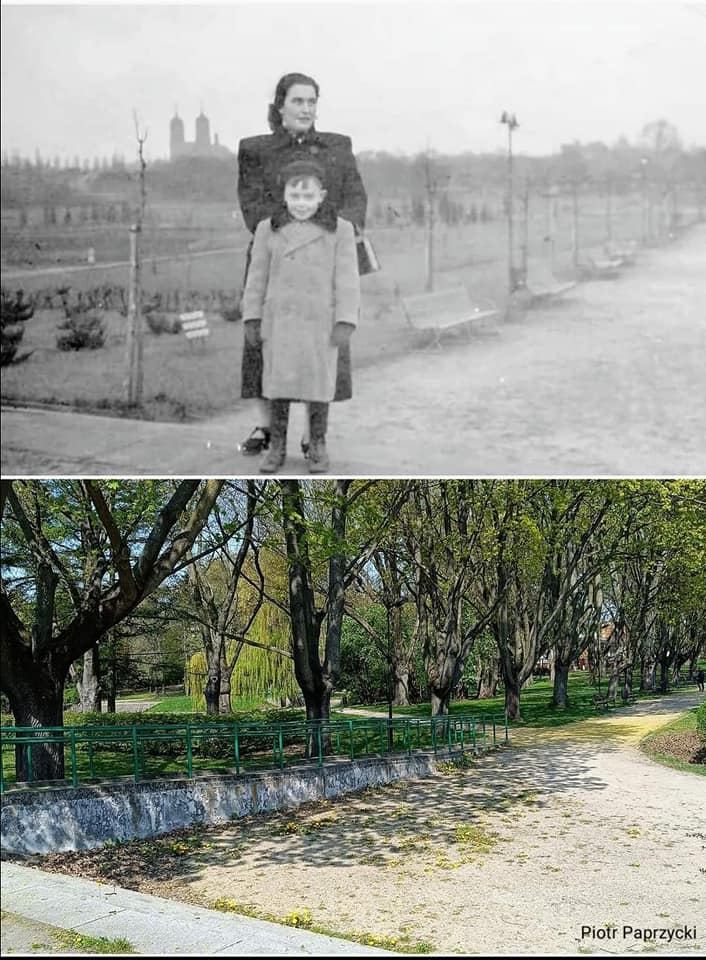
274	117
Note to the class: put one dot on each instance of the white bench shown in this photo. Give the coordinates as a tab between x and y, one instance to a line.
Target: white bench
600	264
541	282
626	250
445	308
194	325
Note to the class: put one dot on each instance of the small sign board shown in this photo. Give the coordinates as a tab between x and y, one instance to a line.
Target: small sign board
194	324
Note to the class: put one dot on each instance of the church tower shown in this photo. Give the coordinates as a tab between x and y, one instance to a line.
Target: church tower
176	136
203	132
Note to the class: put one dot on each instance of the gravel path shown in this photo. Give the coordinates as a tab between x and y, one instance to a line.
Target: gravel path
565	829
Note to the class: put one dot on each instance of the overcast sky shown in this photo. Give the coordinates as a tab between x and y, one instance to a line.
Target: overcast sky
395	76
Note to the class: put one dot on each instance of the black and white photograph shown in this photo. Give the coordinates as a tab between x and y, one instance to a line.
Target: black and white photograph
521	185
353	498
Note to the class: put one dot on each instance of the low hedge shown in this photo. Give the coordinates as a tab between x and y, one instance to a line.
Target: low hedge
212	747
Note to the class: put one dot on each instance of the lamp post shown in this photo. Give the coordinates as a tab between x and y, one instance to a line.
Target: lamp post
511	121
646	212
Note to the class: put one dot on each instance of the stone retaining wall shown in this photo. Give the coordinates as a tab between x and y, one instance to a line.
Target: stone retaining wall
44	820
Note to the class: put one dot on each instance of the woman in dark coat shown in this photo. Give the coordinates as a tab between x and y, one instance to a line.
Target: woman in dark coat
261	159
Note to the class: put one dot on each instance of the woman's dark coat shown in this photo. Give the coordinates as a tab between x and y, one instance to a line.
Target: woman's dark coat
260	161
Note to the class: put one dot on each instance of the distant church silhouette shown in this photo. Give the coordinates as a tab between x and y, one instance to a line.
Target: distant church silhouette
201	146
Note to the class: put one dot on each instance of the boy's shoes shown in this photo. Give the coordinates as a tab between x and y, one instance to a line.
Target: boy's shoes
274	458
257	442
318	461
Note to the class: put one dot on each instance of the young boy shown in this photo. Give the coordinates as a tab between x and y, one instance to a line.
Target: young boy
301	300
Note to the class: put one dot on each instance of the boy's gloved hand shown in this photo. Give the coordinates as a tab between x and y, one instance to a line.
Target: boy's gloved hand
252	332
341	334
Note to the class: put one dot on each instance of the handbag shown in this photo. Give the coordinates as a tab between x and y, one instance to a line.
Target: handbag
367	258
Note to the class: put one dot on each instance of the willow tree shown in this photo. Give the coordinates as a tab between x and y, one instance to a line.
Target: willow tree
215	595
78	558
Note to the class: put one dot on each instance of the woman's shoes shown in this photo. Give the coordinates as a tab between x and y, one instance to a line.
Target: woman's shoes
305	447
256	443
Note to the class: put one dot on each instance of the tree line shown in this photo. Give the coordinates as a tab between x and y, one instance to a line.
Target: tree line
441	572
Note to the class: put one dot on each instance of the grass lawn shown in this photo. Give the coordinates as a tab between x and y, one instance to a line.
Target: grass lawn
535	704
678	745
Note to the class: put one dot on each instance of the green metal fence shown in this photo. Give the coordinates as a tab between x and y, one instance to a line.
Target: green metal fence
149	751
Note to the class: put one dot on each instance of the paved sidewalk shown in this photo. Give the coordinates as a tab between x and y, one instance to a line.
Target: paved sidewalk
154	925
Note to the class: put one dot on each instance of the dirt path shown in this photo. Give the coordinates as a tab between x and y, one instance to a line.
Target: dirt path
513	855
612	380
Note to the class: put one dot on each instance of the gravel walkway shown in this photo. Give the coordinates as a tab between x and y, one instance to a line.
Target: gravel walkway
567	829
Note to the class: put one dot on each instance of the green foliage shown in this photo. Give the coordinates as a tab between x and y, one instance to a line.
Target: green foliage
84	330
701	721
212	747
14	312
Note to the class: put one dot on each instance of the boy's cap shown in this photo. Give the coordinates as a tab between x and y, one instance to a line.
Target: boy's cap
300	169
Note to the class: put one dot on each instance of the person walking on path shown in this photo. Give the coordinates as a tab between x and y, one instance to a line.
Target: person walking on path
700	677
300	306
261	159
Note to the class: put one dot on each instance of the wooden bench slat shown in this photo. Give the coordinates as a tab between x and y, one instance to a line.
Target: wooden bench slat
441	309
194	325
541	282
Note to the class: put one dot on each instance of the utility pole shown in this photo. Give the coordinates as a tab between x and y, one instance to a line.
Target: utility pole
609	210
511	121
525	228
575	241
430	188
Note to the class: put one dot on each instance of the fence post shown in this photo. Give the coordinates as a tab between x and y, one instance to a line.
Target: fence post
236	748
281	748
350	745
135	754
506	730
189	756
318	743
74	771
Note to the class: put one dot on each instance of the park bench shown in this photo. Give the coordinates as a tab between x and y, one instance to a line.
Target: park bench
626	250
599	265
194	325
603	701
442	309
541	282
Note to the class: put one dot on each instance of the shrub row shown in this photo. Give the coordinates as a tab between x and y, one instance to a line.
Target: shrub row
211	747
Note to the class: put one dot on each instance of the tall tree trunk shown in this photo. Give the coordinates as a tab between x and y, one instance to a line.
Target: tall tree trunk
111	691
39	704
440	701
224	697
88	685
560	697
512	697
488	680
212	690
400	683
